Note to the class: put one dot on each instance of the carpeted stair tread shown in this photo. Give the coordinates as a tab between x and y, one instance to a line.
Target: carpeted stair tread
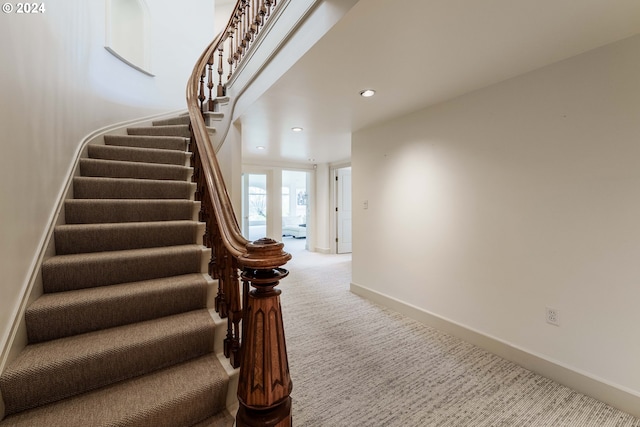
53	370
179	120
146	141
85	238
221	419
166	130
88	211
181	395
141	155
78	271
61	314
88	187
125	169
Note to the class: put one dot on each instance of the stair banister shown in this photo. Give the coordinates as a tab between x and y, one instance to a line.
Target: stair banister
264	383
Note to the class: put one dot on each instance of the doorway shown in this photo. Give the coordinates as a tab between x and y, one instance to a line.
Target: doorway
295	208
254	205
343	210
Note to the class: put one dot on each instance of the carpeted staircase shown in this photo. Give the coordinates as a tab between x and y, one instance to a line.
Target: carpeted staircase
122	335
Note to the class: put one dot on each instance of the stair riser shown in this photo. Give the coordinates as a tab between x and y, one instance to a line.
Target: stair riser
141	141
140	155
116	237
113	269
119	169
105	188
181	120
94	309
42	385
172	130
118	211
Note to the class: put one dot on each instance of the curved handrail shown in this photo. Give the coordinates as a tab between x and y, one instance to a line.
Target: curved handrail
260	261
246	20
233	241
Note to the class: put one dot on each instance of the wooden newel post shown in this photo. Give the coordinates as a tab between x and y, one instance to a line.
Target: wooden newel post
264	385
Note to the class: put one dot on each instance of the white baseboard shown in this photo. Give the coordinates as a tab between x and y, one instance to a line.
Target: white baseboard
600	389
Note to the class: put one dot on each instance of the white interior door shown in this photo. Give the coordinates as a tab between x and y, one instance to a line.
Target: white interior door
343	208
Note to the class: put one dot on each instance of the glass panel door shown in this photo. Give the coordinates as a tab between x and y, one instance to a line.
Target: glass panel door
295	206
254	206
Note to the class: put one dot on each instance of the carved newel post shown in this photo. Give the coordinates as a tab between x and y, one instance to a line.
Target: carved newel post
264	384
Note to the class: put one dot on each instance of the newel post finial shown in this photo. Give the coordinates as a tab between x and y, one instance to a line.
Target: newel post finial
264	386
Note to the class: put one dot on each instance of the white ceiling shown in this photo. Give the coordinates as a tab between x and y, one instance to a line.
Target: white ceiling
417	53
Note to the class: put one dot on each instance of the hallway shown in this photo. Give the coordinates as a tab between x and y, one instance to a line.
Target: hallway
355	363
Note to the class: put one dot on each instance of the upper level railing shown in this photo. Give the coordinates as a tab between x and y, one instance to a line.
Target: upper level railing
226	52
255	335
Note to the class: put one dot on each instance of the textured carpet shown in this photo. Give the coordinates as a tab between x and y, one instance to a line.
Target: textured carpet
354	363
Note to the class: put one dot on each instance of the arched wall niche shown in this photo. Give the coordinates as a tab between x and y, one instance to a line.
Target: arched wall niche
127	33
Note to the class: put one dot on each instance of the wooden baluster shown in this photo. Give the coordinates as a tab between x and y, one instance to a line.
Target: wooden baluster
256	16
205	216
264	386
231	54
213	259
231	344
214	240
270	4
201	96
238	27
263	12
245	300
238	33
210	84
267	8
220	70
198	178
222	304
245	304
248	25
232	341
249	32
242	29
243	24
195	164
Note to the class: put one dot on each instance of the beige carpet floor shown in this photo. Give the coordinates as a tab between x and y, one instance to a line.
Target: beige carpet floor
354	363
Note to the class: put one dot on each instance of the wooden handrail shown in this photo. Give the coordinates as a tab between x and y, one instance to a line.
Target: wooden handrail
259	348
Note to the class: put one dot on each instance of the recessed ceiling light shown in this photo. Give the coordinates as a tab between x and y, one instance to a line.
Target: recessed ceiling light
260	147
297	129
367	93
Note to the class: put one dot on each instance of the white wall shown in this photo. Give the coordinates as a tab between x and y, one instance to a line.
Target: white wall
488	208
223	13
57	84
276	51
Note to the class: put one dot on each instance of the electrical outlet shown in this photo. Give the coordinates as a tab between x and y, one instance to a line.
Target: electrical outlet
552	316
